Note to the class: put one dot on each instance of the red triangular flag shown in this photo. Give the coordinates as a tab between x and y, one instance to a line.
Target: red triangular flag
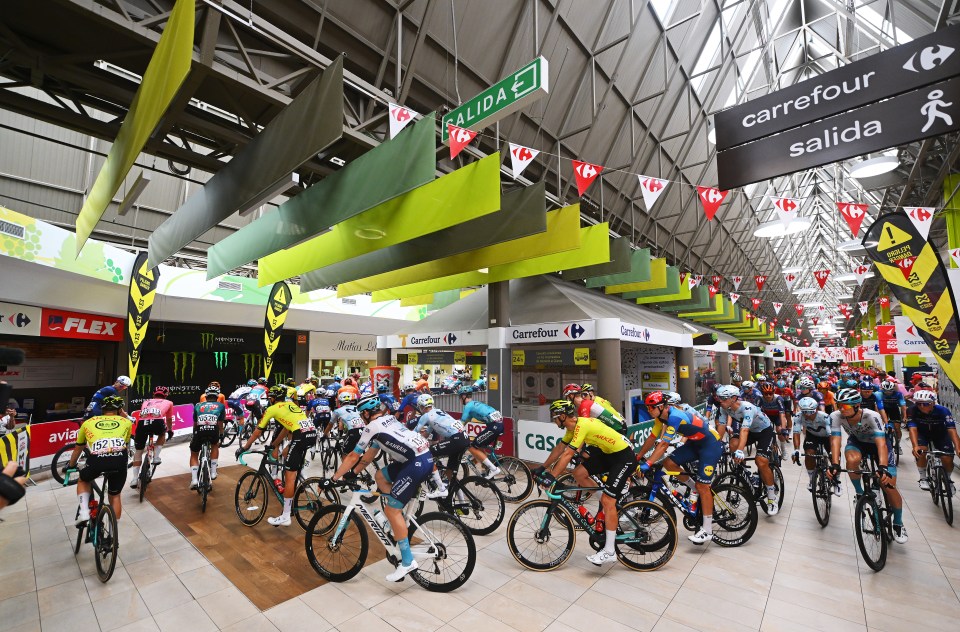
815	321
756	302
854	214
459	138
760	279
715	280
884	301
821	276
906	266
585	173
713	290
712	199
799	309
683	278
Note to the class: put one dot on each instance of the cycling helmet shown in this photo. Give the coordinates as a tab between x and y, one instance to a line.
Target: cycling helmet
571	389
162	392
369	403
587	388
823	385
212	390
465	390
781	384
923	386
424	401
124	380
805	384
655	398
761	377
849	396
727	391
562	407
887	385
672	398
766	388
315	381
409	386
736	378
924	397
261	380
382	387
111	402
291	382
808	404
278	392
347	397
214	383
866	385
748	384
849	384
251	383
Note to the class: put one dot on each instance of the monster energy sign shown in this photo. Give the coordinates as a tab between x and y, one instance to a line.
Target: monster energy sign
143	385
220	359
252	365
280	377
180	361
206	340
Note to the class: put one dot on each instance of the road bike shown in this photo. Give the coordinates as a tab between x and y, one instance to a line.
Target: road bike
741	475
337	544
822	486
254	488
100	530
147	465
541	532
234	427
941	489
474	501
515	480
873	519
204	479
61	459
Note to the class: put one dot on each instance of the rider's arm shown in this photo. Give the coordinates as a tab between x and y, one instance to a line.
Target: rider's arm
835	448
554	454
564	459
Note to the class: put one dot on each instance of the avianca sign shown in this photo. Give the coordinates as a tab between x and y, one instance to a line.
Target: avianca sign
55	323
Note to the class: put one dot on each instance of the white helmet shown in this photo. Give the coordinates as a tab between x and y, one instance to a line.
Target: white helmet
424	401
925	397
748	384
808	404
888	385
672	398
805	383
126	381
728	390
409	386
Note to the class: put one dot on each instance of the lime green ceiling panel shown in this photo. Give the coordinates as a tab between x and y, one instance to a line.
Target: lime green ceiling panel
562	234
465	194
731	314
682	295
639	271
620	256
412	301
658	281
700	299
673	286
718	310
594	249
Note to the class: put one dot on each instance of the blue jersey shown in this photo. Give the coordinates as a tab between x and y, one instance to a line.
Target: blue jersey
439	423
892	403
938	419
93	409
389	401
751	395
873	401
481	412
691	426
321	408
773	408
410	399
746	416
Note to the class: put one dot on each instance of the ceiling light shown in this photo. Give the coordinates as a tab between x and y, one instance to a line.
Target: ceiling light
691	327
850	246
874	166
777	229
852	278
711	134
812	304
806	290
845	297
793	270
370	233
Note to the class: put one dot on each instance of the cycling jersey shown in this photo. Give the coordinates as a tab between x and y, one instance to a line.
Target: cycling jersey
873	401
156	409
746	416
389	401
240	393
750	395
348	417
827	395
593	409
811	393
693	427
321	408
480	412
288	415
221	398
818	425
409	401
595	433
772	408
869	427
439	423
394	438
207	415
105	435
93	409
938	419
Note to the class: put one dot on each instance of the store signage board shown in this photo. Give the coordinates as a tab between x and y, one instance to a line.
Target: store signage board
552	332
920	114
438	339
20	320
923	61
512	93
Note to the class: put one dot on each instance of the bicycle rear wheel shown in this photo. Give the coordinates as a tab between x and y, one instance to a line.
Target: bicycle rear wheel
143	475
869	528
514	480
204	484
822	497
309	498
540	535
106	542
336	554
646	535
444	550
482	507
734	515
60	461
80	531
946	495
229	434
250	499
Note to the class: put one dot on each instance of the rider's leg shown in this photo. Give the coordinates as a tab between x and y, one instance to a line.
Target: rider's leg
853	458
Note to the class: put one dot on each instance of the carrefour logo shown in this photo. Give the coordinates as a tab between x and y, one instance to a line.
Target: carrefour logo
633	332
573	331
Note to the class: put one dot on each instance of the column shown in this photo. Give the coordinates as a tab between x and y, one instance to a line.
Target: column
499	365
723	367
768	365
743	363
301	358
384	357
886	320
687	386
609	373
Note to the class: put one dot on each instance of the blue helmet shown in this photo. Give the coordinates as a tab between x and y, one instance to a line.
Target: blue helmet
382	387
369	402
465	390
866	385
251	383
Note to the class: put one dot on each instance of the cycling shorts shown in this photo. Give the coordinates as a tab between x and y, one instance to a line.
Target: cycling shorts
350	440
453	448
938	437
302	441
810	442
707	453
763	439
488	436
870	449
147	428
114	466
200	437
405	477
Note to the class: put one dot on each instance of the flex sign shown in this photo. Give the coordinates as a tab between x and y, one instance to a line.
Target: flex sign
923	61
434	340
19	320
553	332
56	323
931	111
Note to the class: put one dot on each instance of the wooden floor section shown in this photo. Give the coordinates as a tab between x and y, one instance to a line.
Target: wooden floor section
268	564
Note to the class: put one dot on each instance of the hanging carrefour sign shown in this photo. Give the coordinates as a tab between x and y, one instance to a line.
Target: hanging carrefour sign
912	268
552	332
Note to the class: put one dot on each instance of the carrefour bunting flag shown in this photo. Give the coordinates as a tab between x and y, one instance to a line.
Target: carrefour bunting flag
143	290
276	315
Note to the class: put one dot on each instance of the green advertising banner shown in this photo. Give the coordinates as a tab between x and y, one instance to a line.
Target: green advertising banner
658	281
620	255
639	271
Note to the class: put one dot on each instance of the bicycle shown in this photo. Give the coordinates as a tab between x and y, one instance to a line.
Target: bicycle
474	501
941	489
873	520
337	544
234	427
61	458
147	466
646	534
100	529
204	480
251	497
741	475
515	480
822	489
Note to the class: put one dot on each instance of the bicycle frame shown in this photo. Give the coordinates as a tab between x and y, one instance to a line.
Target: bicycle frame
490	452
265	474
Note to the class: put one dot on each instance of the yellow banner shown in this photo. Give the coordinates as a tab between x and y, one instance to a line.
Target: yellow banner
277	306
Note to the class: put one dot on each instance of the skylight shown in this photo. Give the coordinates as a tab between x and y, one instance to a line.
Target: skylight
663	9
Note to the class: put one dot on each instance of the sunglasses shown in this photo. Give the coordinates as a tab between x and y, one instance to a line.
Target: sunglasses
849	406
924	403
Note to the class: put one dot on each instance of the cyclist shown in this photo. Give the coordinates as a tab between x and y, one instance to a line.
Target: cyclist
614	457
307	391
927	424
451	443
208	418
411	464
894	405
236	399
702	444
676	401
220	396
257	398
487	438
806	387
386	397
106	436
319	410
349	421
748	425
587	407
815	425
865	430
302	434
872	400
156	419
749	392
737	380
423	384
590	394
348	385
408	405
826	391
772	406
95	407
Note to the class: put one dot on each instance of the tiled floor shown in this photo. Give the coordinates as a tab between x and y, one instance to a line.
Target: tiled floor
792	575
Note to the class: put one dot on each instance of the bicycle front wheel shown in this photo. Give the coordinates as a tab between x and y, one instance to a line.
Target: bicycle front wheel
444	550
482	507
250	499
822	497
309	498
734	515
646	535
946	495
336	554
540	535
106	542
868	524
514	480
229	434
204	485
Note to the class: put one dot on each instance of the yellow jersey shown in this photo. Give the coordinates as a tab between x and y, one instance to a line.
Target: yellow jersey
106	435
289	415
596	433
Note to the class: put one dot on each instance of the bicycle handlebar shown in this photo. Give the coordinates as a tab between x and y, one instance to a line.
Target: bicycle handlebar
265	454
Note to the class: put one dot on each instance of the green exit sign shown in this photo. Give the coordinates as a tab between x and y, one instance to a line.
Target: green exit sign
514	92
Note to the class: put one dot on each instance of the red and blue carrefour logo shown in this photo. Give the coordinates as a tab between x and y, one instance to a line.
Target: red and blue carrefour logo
573	331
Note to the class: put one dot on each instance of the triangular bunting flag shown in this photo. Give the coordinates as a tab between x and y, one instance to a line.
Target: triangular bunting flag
955	255
861	273
651	188
863	305
786	321
815	321
712	199
884	301
683	278
713	290
922	217
698	279
776	307
799	331
737	280
854	214
520	158
821	308
799	322
585	173
715	280
799	309
459	138
821	276
906	266
400	117
691	281
760	279
787	209
789	278
756	302
734	297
